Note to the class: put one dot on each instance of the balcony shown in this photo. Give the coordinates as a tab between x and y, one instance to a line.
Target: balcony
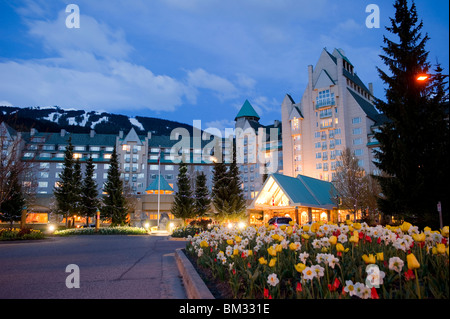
325	103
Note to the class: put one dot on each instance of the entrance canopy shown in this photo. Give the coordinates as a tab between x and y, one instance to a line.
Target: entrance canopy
162	186
280	191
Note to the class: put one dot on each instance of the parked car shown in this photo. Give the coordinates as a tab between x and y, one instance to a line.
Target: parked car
277	221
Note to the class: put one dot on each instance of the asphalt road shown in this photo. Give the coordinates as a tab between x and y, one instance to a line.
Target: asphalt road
110	267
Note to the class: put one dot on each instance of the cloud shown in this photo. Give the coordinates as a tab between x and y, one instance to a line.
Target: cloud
200	79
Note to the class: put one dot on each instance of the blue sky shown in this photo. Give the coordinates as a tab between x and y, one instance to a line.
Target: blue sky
188	60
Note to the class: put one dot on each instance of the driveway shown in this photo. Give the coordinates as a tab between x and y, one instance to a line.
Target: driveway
110	267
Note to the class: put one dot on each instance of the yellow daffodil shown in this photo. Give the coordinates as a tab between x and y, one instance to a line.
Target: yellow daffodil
444	231
369	259
272	262
262	261
332	240
405	226
440	248
300	267
380	256
419	237
412	262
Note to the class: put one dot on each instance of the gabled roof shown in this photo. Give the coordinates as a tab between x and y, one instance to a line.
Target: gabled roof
132	137
324	80
295	113
164	186
368	108
303	191
247	110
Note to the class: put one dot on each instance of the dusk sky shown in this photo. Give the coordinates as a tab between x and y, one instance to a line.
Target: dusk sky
188	60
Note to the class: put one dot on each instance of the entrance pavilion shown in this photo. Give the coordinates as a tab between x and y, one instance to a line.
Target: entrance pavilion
302	198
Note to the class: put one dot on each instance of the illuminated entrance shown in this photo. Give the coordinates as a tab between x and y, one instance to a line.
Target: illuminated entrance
302	198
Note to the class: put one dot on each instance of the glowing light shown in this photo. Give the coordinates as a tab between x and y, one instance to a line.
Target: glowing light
422	77
241	225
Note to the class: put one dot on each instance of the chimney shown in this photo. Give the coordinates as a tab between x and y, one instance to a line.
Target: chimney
120	134
276	123
63	132
33	131
149	135
371	88
92	133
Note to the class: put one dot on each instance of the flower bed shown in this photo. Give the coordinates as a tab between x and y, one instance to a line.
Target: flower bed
349	260
20	234
119	230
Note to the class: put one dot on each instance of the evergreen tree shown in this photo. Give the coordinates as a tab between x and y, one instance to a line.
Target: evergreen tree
412	146
89	195
228	198
202	202
66	194
183	205
11	208
114	203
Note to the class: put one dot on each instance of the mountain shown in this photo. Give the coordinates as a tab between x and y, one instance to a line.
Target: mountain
53	119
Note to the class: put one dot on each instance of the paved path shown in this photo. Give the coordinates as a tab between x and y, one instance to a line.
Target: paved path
126	267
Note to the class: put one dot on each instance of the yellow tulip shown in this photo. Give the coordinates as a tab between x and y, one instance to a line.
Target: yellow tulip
262	261
427	229
354	238
440	248
369	259
283	227
339	247
332	240
305	236
292	223
293	246
434	251
272	262
405	226
412	262
315	227
204	244
444	231
238	239
305	228
419	237
278	248
289	230
271	251
236	252
275	237
380	256
230	242
357	226
300	267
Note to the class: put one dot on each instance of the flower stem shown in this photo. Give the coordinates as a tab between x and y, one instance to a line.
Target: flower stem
417	284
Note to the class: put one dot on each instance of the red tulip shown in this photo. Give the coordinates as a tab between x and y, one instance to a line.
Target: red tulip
374	293
409	275
299	287
266	293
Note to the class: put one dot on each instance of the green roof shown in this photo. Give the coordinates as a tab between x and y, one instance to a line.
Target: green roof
247	110
307	191
164	186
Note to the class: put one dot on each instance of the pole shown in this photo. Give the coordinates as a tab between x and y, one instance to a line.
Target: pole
159	183
439	208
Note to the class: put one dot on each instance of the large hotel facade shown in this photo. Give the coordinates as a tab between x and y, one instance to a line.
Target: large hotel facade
335	112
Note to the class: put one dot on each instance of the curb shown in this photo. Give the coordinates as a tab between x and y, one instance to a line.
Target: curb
194	285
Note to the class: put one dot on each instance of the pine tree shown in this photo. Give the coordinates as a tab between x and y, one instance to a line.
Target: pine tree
183	205
228	199
89	195
202	202
114	204
411	139
11	208
65	192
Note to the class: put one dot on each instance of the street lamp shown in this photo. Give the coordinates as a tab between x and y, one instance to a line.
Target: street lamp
422	77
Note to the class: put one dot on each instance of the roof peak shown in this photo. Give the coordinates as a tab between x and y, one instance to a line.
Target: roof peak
247	110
